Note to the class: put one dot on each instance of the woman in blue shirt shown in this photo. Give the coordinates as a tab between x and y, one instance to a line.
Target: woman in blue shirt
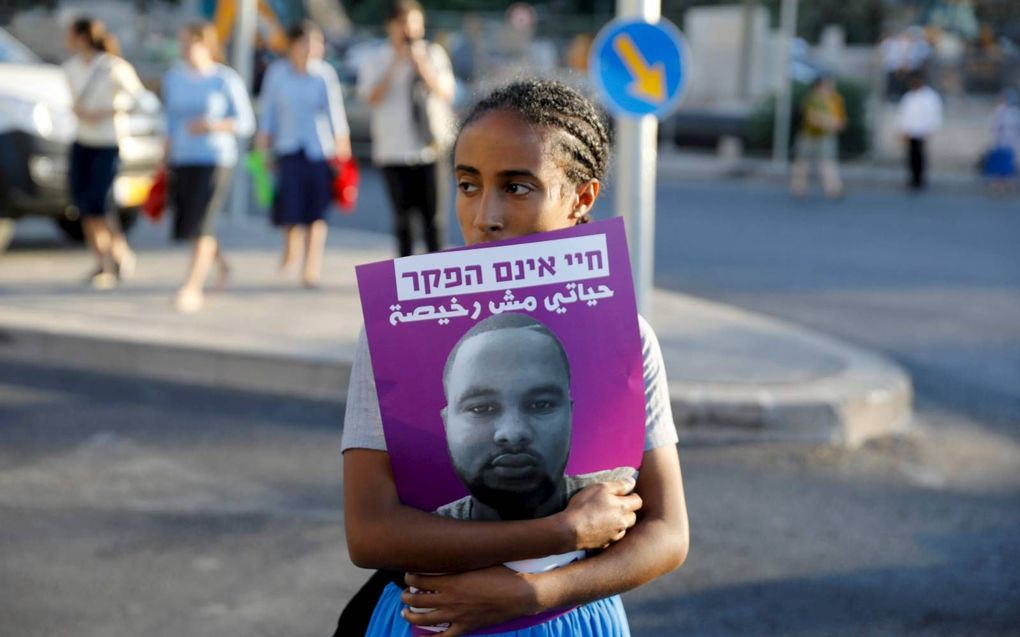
207	109
303	125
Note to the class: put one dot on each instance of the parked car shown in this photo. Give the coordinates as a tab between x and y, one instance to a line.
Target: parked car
37	127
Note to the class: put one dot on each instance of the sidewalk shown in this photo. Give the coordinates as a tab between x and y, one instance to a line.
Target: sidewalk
732	373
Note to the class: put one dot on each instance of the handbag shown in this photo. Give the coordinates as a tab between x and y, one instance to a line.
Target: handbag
155	201
346	177
433	118
261	178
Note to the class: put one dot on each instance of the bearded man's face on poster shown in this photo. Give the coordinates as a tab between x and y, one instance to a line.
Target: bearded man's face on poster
508	416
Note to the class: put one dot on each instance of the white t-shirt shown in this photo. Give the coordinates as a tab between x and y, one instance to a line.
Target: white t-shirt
104	83
920	112
395	138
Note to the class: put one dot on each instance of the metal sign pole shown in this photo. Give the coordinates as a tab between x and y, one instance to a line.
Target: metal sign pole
784	99
636	155
243	61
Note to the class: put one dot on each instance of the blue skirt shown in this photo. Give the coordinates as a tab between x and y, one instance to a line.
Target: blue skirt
1000	162
304	190
603	618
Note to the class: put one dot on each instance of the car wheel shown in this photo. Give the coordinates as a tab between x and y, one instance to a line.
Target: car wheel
6	233
72	227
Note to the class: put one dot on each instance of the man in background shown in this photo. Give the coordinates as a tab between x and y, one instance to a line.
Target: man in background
409	85
919	117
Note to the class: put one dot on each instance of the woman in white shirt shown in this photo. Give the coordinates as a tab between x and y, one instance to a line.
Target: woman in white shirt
104	87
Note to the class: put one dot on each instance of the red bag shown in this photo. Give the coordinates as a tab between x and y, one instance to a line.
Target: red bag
345	184
155	203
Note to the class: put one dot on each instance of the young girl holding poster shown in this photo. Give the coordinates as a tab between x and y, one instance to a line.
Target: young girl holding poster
529	159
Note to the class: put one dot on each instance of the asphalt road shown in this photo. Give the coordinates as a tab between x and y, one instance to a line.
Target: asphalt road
931	280
135	507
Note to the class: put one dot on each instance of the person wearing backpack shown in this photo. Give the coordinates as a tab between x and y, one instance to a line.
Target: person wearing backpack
409	84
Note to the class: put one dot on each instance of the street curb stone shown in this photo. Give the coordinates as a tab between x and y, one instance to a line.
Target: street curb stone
854	396
851	395
272	373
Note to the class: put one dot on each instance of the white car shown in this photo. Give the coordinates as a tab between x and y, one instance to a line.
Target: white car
37	128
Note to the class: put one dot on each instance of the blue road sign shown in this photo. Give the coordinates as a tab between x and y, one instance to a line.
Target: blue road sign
640	68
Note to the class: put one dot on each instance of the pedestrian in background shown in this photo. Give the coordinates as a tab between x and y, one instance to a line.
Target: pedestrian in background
1000	162
823	117
303	124
919	117
409	84
207	109
104	87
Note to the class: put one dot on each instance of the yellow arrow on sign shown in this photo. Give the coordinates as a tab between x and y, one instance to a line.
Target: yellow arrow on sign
649	79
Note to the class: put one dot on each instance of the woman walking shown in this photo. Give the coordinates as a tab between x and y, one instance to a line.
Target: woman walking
303	125
207	109
1000	163
104	87
529	158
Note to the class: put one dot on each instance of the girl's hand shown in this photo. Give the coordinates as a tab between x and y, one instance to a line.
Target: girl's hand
470	601
600	514
84	114
199	126
343	147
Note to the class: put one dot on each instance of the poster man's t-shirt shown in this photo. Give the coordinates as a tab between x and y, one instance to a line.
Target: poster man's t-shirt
363	427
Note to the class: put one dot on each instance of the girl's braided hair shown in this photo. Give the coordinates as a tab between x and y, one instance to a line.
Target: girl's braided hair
583	149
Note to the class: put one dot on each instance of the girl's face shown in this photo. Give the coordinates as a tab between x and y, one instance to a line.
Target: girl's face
74	42
299	52
310	47
509	183
192	48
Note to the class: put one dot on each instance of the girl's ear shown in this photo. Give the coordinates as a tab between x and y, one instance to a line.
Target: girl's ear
584	198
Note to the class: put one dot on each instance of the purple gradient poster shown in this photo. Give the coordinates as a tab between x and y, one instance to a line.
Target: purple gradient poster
509	375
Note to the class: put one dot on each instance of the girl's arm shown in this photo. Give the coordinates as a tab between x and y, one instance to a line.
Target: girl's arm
383	533
239	119
337	113
434	68
267	110
170	119
657	544
374	78
129	82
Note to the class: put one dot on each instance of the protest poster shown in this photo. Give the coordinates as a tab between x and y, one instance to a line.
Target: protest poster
509	375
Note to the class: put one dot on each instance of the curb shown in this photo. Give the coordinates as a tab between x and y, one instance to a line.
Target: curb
861	404
279	373
863	396
857	396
